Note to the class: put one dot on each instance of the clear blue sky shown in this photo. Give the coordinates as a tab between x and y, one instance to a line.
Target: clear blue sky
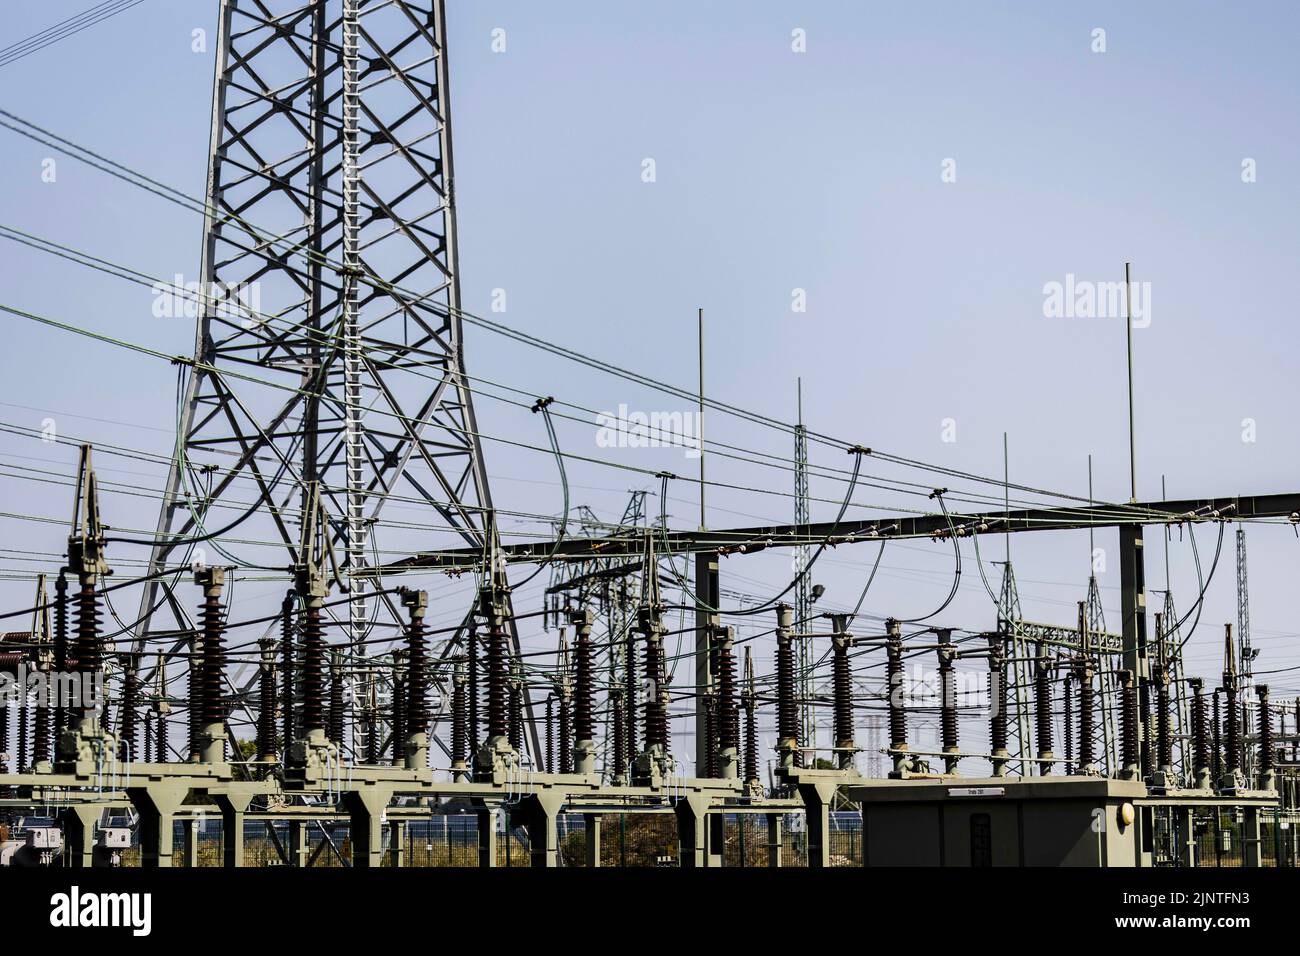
776	171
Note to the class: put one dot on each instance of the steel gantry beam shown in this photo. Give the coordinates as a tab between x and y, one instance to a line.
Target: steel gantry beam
749	540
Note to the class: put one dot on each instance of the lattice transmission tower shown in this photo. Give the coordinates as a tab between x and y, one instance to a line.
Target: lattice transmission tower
803	589
329	345
1245	653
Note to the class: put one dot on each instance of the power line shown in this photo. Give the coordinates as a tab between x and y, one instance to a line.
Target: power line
64	29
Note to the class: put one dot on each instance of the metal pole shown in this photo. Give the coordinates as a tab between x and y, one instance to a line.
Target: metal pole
1006	490
1128	329
1091	541
700	424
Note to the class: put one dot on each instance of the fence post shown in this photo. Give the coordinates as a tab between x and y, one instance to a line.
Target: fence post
1187	818
1250	838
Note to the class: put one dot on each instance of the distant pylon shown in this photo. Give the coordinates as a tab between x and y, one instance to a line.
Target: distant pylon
803	588
1009	618
1245	653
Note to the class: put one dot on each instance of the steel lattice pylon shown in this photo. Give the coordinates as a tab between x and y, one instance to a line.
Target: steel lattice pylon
330	277
1171	642
611	587
1109	689
1245	653
1009	618
803	591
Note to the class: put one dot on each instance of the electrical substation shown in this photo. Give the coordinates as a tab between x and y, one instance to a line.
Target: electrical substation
345	729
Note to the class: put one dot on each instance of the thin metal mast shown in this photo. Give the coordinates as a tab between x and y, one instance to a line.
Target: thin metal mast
1132	442
1244	652
803	591
1245	655
700	424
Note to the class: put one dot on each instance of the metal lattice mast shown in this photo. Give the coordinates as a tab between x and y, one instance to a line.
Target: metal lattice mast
1009	618
1173	656
598	580
1244	651
1245	655
1109	685
874	728
330	276
803	590
1096	617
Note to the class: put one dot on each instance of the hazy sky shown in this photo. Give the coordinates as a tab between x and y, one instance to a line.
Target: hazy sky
921	172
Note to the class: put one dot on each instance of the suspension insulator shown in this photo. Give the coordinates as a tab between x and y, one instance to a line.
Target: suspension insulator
497	679
1231	728
515	717
211	710
1265	730
1043	707
1146	742
161	748
207	671
728	718
619	734
1164	739
1087	707
842	684
1216	737
128	742
550	732
60	648
630	729
21	763
584	692
372	732
87	649
4	741
566	732
997	697
313	670
1129	722
1067	714
337	721
656	711
417	673
894	682
751	739
287	667
1200	729
267	744
41	736
710	730
947	694
398	712
787	709
667	733
459	719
